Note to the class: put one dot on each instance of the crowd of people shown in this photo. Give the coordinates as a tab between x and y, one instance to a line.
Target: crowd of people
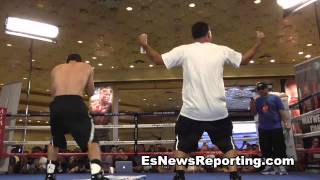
80	164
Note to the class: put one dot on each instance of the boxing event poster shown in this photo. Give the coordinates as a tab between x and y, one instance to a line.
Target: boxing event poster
308	83
101	102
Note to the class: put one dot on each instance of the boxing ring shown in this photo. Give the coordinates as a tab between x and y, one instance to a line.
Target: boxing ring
135	142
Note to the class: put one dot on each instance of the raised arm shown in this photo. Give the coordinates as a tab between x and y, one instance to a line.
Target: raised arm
90	83
246	57
153	54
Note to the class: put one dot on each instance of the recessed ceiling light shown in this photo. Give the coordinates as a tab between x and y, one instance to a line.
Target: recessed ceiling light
38	121
144	99
131	66
192	5
25	78
20	120
257	1
252	61
308	56
100	64
33	60
86	95
112	67
170	99
9	45
1	84
151	65
293	60
309	44
272	60
87	62
47	90
129	8
29	120
47	122
80	42
94	57
300	53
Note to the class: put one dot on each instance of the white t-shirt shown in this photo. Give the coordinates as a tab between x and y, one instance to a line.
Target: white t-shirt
203	92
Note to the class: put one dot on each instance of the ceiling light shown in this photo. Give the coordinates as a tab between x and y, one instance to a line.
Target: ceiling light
100	64
29	120
252	61
112	67
177	106
151	65
300	53
129	8
47	122
33	60
131	66
94	57
38	121
1	84
309	44
308	56
144	99
192	5
24	78
9	45
170	99
20	120
86	95
47	90
31	29
293	60
87	62
272	60
296	4
80	42
257	1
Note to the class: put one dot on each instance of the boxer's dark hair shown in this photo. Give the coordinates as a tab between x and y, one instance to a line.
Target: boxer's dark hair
74	57
199	29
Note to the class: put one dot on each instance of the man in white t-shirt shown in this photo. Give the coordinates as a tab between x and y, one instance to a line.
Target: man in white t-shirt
203	94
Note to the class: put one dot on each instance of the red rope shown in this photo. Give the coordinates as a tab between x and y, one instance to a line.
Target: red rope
216	153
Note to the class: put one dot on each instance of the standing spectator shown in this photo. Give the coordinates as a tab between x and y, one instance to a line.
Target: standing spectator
271	112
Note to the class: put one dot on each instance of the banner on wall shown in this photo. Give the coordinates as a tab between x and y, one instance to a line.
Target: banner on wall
308	83
308	122
3	112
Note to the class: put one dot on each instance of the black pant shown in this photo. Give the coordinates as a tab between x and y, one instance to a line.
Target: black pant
272	143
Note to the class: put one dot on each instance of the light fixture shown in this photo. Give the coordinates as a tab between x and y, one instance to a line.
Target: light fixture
131	66
300	53
296	4
112	67
151	65
100	64
9	45
94	57
272	60
29	120
38	121
1	84
47	122
47	90
80	42
308	56
192	5
33	60
24	78
87	62
129	8
293	60
20	120
257	1
309	45
144	99
170	99
251	61
31	29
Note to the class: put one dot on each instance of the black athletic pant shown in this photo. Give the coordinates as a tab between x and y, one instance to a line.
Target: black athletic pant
272	143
